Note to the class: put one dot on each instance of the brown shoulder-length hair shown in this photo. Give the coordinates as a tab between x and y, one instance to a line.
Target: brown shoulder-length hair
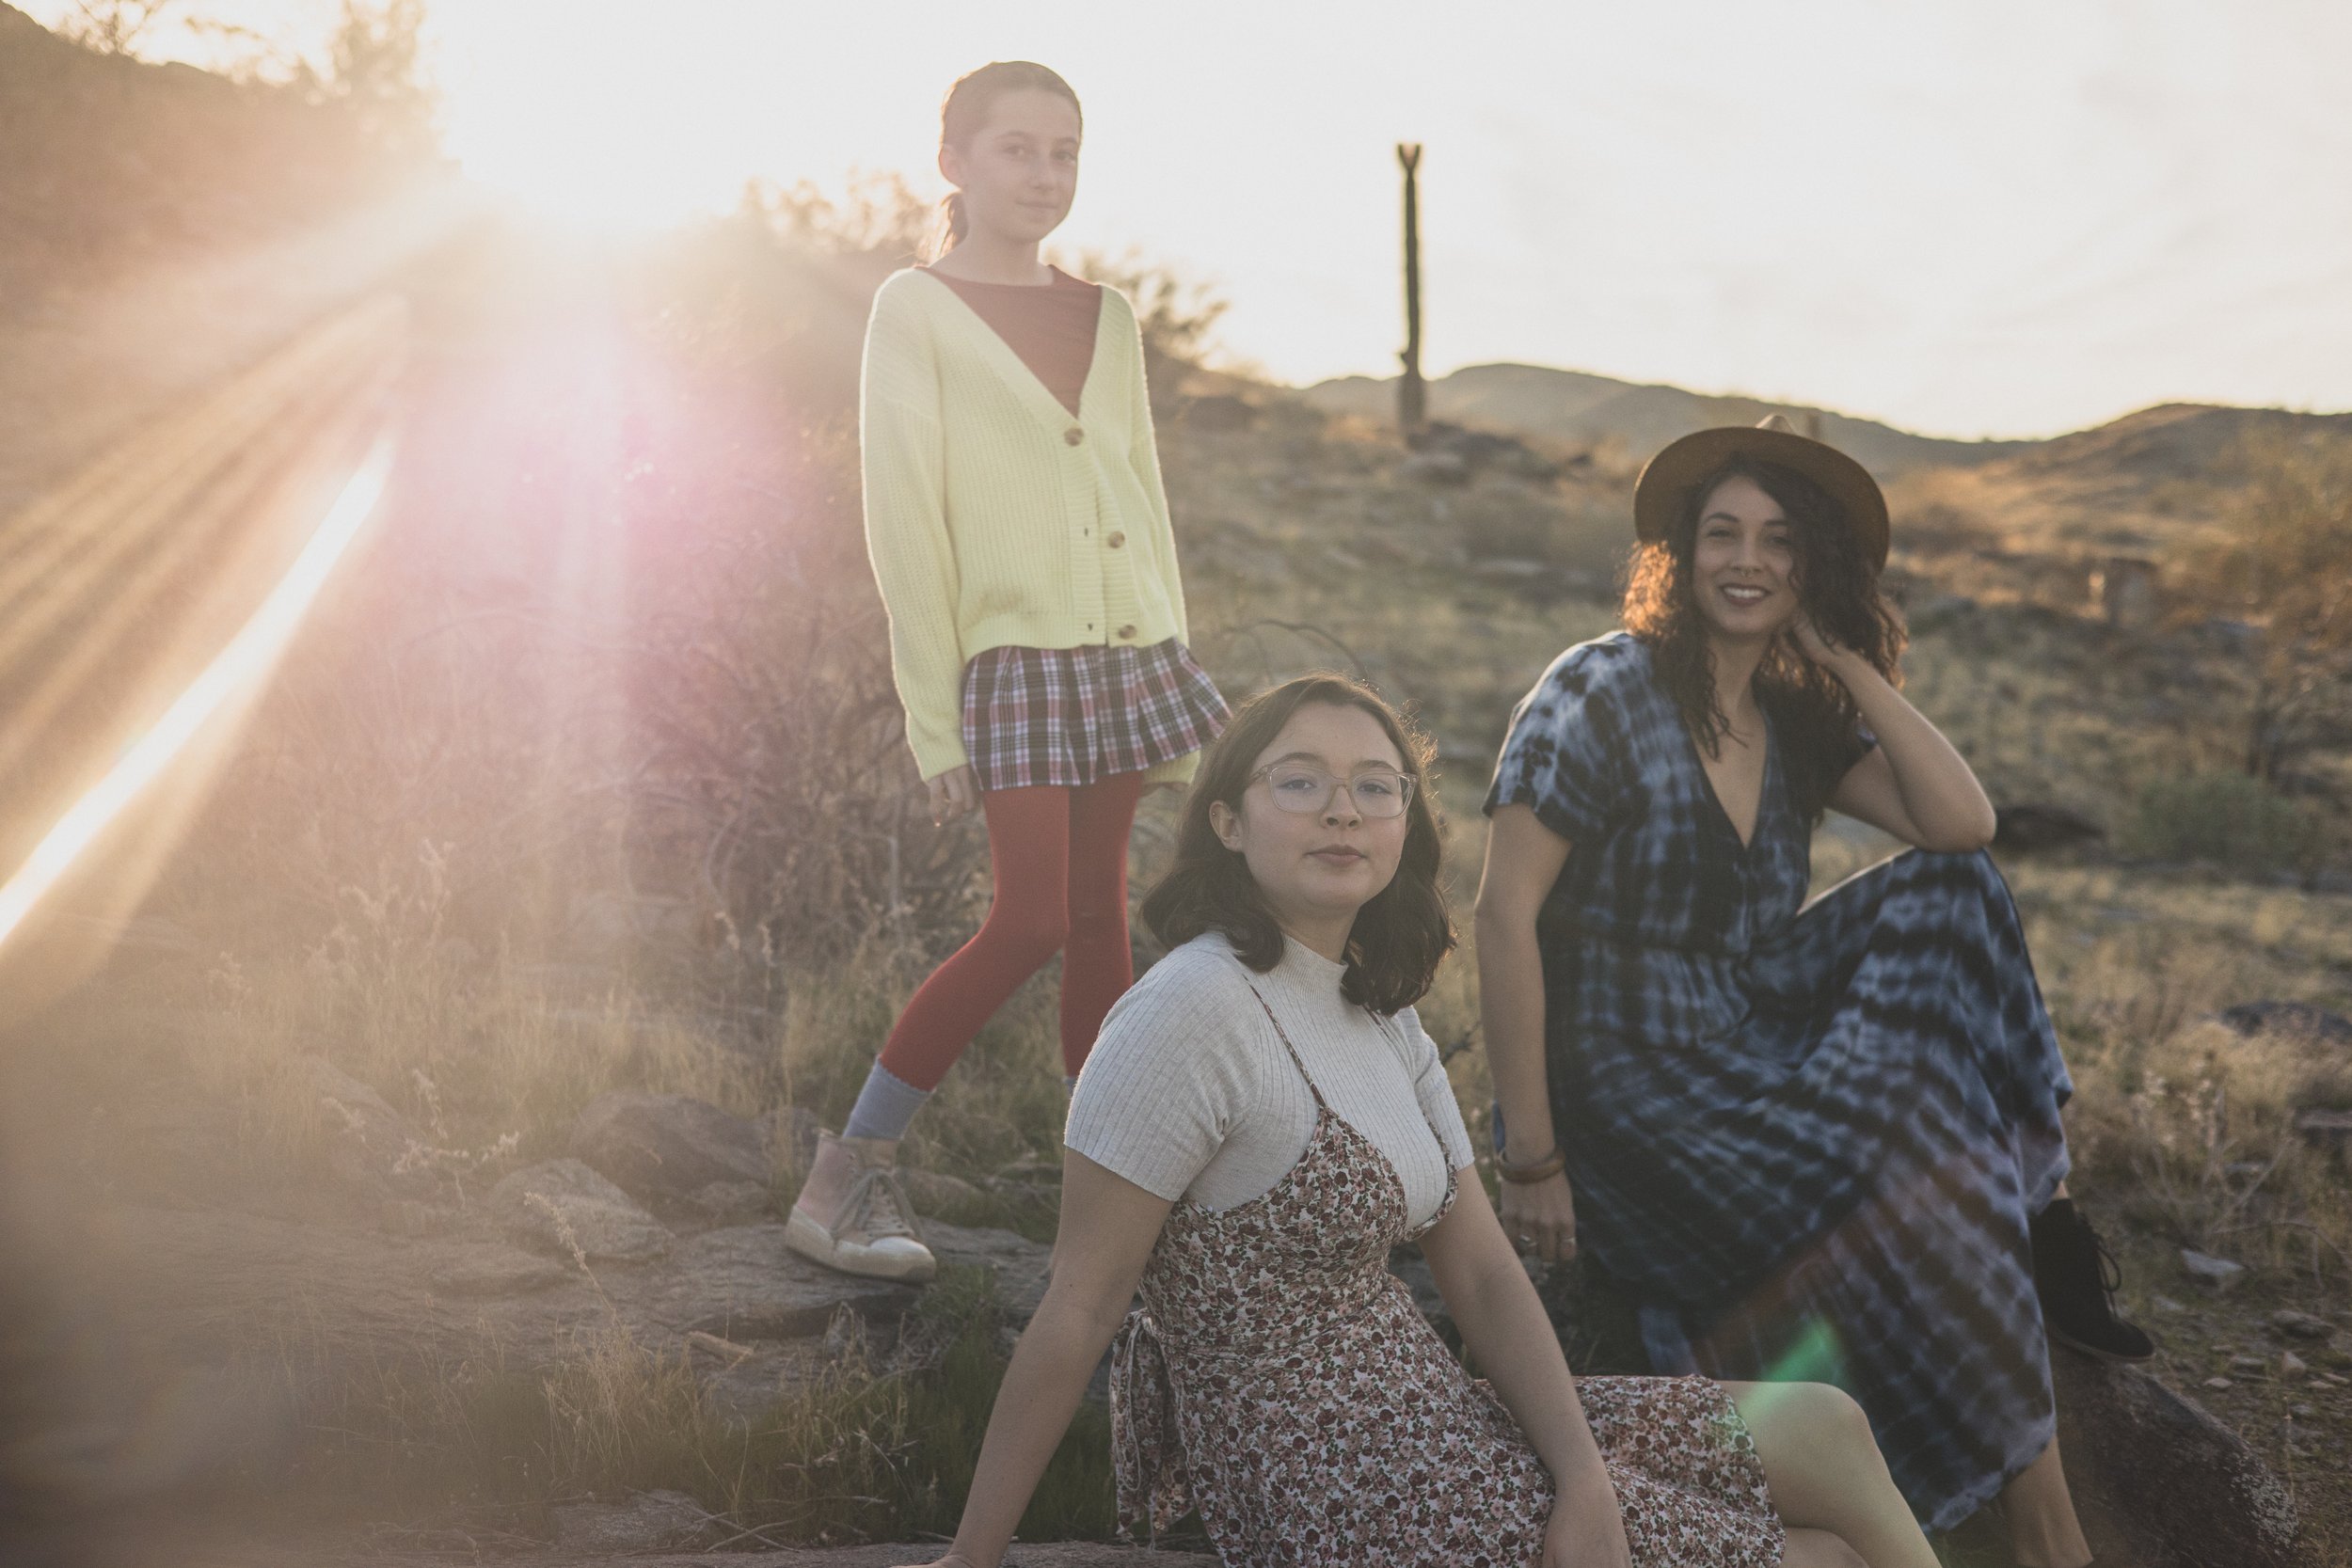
1837	585
1399	937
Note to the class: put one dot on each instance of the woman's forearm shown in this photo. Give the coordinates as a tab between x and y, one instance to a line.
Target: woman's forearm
1051	1364
1506	1329
1510	1014
1939	790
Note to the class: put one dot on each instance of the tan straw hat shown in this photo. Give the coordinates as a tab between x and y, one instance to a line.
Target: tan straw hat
1664	487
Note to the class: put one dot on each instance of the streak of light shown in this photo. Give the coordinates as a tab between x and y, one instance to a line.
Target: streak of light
246	660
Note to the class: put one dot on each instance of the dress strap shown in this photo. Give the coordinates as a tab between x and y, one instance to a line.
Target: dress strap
1285	1037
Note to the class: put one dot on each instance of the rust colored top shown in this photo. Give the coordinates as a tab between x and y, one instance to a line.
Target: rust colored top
1050	326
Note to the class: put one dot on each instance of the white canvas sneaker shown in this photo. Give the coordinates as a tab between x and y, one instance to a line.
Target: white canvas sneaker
872	1230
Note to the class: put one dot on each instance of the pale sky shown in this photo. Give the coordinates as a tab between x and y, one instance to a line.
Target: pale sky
1969	217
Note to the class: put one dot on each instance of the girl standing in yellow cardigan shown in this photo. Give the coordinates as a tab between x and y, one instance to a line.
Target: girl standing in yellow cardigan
1019	531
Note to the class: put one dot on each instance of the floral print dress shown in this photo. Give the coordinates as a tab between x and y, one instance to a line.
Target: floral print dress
1279	1378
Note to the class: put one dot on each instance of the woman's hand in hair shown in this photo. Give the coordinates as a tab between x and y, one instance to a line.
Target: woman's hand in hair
1810	643
953	792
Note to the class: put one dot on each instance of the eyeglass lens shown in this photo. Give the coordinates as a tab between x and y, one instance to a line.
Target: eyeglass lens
1378	792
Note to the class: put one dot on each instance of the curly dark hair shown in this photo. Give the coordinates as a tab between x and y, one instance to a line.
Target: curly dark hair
1837	585
1399	937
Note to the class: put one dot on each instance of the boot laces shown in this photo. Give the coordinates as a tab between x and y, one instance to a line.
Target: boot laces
876	1206
2110	1272
2104	1266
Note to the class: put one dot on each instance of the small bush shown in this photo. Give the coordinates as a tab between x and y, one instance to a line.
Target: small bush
2181	1127
2228	818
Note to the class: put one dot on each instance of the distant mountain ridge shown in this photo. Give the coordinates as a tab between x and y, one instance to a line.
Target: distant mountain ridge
1541	402
2129	485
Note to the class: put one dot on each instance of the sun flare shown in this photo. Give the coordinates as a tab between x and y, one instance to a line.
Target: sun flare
608	177
613	125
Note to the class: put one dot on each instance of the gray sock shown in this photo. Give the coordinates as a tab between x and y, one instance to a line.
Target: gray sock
884	1105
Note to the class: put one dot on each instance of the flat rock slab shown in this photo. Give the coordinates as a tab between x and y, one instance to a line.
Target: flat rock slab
489	1270
1049	1554
1053	1553
741	1282
650	1521
210	1285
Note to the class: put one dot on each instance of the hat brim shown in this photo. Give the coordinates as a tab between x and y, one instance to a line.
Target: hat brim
1664	488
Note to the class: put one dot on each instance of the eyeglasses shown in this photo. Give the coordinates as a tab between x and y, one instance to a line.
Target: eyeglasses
1296	786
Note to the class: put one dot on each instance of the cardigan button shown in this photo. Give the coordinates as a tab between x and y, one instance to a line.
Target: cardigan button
1074	435
1126	634
1117	540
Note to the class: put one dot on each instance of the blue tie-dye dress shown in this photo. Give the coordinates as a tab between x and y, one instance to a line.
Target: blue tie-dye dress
1806	1139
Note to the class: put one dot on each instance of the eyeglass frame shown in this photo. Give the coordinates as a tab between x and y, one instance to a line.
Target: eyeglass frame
1337	784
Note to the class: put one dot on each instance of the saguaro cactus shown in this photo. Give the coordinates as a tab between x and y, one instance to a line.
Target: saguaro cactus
1412	398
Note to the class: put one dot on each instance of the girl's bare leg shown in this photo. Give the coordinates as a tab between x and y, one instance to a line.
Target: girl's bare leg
2043	1529
1827	1478
1818	1548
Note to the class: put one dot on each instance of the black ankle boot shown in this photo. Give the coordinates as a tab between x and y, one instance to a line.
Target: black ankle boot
2075	1276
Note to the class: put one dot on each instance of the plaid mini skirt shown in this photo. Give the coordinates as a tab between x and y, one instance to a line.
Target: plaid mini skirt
1070	715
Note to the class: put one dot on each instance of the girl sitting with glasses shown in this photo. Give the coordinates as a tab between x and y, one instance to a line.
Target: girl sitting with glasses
1262	1121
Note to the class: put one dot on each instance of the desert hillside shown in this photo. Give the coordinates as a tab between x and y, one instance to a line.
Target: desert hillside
2131	486
1541	402
394	1125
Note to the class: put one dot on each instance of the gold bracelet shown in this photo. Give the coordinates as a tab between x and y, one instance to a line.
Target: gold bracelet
1544	1169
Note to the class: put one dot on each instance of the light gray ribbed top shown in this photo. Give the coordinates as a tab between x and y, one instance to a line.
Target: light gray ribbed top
1190	1094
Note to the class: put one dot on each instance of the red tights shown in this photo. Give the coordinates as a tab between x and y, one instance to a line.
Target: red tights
1059	860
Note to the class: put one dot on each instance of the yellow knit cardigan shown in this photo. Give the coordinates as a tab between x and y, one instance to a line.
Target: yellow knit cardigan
995	518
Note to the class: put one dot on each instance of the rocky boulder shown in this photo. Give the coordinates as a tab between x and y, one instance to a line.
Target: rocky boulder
561	1207
646	1522
2294	1019
368	1144
792	1131
2160	1482
2033	828
665	1148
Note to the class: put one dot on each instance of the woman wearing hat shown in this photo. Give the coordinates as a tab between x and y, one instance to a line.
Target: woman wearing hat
1810	1141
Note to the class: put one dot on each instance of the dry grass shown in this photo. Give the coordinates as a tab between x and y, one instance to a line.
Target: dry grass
869	1444
2182	1126
486	1065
